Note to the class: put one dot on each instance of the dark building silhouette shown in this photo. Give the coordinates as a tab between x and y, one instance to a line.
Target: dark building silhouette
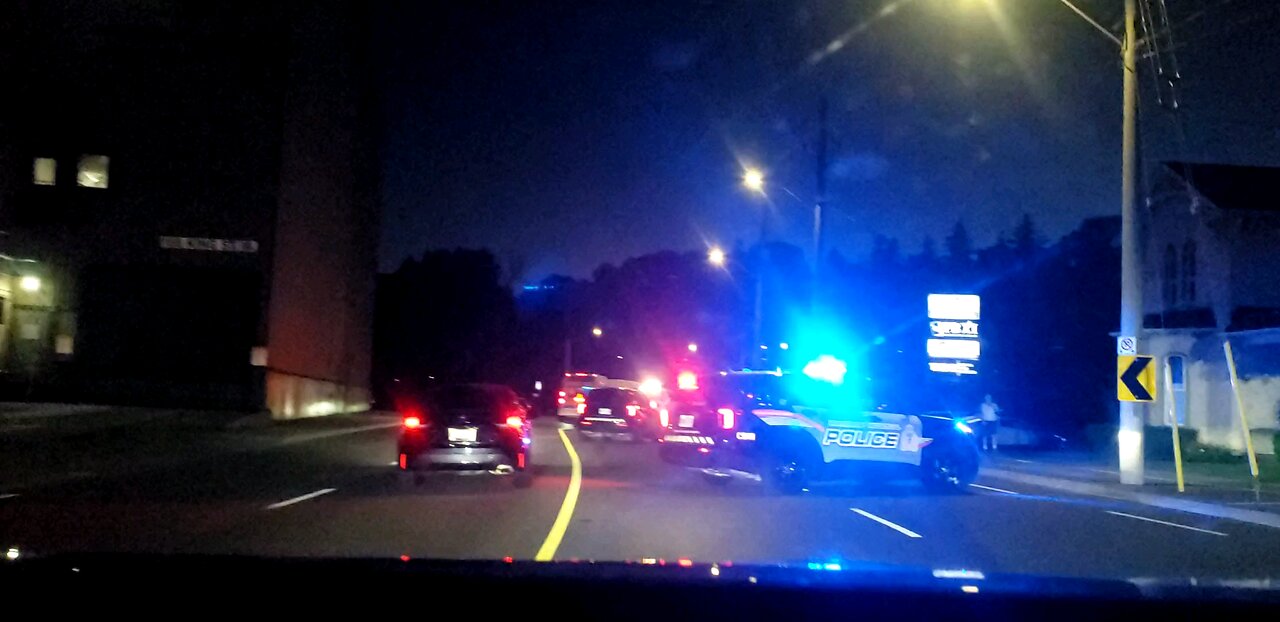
188	203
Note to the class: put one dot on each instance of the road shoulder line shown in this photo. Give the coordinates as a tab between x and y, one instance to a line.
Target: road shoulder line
1256	517
993	489
316	436
547	551
1165	522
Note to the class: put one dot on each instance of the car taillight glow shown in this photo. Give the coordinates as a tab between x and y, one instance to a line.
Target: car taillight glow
404	461
651	387
728	417
515	421
582	409
687	381
632	409
663	417
579	398
412	422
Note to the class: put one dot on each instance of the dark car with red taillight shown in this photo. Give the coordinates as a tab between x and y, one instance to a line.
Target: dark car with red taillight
467	427
619	412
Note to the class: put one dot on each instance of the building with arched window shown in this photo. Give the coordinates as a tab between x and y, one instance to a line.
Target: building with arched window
1212	274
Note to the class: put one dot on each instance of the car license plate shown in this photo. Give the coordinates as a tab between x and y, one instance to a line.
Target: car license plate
605	411
686	421
462	435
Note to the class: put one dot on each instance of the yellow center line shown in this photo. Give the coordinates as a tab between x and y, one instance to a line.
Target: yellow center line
549	546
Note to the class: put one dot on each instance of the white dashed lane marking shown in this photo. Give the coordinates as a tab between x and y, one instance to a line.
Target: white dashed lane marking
890	524
299	499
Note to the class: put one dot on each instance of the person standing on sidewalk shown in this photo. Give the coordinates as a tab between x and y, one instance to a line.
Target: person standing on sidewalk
990	412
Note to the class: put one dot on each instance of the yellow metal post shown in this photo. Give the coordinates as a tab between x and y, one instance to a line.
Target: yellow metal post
1244	419
1172	409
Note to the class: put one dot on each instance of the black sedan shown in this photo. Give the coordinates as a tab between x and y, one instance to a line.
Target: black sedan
467	427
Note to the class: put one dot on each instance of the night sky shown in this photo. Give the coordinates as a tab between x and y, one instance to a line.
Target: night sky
562	135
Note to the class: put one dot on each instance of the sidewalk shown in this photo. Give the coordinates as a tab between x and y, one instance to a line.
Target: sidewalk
138	440
1219	490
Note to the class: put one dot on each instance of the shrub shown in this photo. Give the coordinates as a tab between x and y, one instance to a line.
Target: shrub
1157	442
1210	454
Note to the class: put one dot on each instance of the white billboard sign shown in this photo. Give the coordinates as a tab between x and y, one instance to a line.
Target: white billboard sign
954	307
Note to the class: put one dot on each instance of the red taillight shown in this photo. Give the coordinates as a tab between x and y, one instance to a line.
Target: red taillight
664	417
412	422
632	409
728	417
560	400
685	562
515	421
404	462
687	381
582	409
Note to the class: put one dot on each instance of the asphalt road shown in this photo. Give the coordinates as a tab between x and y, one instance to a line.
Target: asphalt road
186	484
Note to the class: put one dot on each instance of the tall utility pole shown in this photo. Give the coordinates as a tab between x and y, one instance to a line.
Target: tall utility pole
1132	415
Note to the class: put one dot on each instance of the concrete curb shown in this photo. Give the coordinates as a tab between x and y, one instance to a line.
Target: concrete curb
47	410
1091	489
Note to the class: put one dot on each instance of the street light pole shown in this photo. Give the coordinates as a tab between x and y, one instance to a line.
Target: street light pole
1131	413
821	186
754	180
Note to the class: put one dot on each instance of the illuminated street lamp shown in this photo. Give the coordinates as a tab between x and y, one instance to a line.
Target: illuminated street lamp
29	283
597	331
693	347
715	256
753	179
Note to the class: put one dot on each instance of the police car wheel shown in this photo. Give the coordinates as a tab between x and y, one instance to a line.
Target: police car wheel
787	476
946	470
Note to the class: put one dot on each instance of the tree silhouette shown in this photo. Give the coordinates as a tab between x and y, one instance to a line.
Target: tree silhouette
1026	240
959	246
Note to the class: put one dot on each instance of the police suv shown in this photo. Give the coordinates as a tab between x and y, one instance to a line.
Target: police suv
790	429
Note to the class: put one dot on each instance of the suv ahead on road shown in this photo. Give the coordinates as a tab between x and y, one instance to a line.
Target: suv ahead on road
611	411
467	427
790	429
573	393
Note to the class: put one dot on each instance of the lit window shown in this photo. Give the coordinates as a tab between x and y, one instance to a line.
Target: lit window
92	172
45	172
